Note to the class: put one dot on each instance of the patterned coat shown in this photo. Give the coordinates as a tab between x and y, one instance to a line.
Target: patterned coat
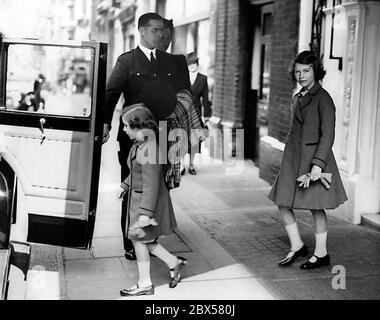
309	143
148	193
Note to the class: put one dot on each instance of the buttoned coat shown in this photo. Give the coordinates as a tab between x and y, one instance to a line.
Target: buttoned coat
309	143
200	95
147	192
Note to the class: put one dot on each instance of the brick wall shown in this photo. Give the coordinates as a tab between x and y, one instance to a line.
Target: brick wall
220	57
284	49
231	72
231	61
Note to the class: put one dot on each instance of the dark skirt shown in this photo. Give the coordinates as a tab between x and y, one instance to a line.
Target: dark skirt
296	162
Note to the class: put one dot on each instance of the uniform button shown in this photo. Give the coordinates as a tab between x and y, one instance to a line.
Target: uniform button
169	74
155	75
138	73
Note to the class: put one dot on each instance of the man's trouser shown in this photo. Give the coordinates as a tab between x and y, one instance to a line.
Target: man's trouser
125	146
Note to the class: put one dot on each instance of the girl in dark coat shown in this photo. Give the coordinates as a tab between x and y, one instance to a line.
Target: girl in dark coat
308	155
149	210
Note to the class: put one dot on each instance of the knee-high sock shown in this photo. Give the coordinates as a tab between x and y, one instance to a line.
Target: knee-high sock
144	274
296	242
160	252
320	244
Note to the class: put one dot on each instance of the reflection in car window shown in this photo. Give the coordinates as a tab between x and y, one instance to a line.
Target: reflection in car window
49	79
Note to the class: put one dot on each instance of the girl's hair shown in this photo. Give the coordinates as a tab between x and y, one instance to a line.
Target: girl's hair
138	116
308	57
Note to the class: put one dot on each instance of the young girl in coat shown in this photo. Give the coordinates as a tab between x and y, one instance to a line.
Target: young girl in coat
149	210
308	157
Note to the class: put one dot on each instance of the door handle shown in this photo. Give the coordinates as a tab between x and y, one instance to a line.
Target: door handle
43	136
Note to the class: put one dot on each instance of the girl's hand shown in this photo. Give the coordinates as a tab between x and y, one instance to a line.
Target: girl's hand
143	220
121	193
315	173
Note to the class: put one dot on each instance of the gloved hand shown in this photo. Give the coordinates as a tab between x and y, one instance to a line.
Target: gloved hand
325	179
137	228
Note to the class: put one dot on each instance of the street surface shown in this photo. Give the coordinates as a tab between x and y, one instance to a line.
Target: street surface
228	230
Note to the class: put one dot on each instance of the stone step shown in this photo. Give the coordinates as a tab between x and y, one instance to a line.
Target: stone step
371	220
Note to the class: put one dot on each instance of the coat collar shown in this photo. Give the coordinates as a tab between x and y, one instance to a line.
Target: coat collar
197	81
306	99
144	62
136	145
147	51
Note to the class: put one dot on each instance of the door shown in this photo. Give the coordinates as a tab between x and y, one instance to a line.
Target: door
259	92
51	95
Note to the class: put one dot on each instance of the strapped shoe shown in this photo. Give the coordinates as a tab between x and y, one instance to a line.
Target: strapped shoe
130	255
293	255
319	262
137	291
175	273
192	171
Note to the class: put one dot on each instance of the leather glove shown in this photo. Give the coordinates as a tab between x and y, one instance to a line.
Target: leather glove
137	228
325	179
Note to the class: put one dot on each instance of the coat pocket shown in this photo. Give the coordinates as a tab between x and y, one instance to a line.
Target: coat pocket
138	80
311	143
311	138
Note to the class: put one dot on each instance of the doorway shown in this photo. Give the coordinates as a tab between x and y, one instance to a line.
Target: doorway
260	73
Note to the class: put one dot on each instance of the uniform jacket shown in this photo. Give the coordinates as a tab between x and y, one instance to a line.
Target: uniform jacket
147	192
133	71
200	91
309	143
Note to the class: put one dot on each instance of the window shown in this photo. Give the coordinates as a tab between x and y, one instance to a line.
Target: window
267	23
49	79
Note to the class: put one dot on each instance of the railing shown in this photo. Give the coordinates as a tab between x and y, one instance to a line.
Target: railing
317	25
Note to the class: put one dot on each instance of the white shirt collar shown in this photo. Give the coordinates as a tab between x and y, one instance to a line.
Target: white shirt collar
148	51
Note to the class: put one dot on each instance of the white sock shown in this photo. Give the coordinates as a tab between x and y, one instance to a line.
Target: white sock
296	242
144	274
320	244
160	252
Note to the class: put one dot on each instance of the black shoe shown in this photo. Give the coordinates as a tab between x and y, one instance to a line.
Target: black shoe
175	273
324	261
183	171
130	255
137	291
192	171
293	255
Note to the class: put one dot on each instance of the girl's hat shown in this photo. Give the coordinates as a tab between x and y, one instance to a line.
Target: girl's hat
160	98
138	110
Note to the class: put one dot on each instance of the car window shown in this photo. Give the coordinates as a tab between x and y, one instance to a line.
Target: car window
49	79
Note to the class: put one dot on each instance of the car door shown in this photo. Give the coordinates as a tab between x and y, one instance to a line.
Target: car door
51	96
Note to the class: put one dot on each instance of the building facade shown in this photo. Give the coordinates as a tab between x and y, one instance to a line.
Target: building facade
246	48
256	42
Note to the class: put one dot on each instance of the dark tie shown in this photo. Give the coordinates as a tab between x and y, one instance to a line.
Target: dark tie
153	61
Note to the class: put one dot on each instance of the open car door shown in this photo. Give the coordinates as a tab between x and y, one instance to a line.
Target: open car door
51	96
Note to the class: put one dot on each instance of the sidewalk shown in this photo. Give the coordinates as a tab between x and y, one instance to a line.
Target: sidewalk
231	234
212	273
235	212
